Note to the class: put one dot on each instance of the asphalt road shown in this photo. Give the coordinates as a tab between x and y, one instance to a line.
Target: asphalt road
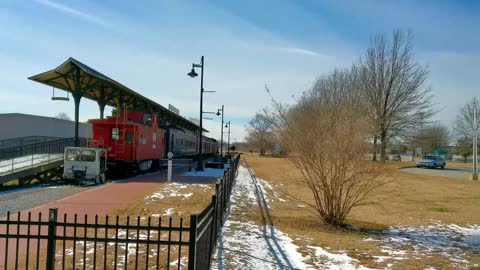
453	172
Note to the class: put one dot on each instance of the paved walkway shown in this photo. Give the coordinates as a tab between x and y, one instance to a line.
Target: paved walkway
460	173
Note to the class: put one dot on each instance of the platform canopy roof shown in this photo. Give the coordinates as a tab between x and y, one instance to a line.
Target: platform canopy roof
83	81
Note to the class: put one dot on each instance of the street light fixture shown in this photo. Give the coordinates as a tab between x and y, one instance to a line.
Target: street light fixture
221	111
194	74
227	125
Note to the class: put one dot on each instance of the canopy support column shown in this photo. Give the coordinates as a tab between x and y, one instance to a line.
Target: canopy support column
77	96
101	107
101	101
76	100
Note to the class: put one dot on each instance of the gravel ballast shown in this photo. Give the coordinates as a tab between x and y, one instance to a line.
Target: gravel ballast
25	199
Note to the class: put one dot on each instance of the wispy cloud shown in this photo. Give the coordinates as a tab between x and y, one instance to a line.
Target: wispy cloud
295	50
72	11
283	49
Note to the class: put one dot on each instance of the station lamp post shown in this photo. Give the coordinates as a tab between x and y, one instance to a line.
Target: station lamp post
227	125
221	111
194	74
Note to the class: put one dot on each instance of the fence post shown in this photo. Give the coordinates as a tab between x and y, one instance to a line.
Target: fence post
214	231
192	256
52	224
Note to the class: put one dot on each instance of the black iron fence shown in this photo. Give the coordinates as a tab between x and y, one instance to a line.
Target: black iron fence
77	242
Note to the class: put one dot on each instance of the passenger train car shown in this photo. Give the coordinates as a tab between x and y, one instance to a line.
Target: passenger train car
185	143
135	140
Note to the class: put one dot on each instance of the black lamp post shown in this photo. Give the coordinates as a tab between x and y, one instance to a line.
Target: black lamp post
193	74
228	142
221	137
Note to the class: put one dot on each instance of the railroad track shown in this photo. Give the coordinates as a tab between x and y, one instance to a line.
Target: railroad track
16	193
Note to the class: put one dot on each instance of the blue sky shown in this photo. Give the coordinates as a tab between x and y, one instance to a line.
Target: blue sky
149	46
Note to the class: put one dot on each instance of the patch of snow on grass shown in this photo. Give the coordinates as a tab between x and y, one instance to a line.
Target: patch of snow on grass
243	246
450	240
168	212
327	260
169	190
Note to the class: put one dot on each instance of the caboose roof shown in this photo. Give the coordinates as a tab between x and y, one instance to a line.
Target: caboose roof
77	78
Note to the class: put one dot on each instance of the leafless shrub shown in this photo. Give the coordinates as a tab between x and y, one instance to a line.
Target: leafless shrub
326	132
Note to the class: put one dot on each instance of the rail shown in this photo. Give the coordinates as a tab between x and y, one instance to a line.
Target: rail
7	143
21	157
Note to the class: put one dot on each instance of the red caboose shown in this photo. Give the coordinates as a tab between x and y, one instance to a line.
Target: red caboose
132	137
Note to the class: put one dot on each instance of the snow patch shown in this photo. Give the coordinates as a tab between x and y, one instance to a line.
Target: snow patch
450	240
243	244
171	190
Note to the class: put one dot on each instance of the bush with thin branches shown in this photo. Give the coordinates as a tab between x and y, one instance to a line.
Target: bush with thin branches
327	134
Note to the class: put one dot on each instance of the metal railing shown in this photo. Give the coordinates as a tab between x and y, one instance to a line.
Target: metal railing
205	226
7	143
21	157
80	244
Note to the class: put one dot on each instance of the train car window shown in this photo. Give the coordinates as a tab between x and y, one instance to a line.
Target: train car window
115	134
88	155
147	117
129	137
154	137
73	155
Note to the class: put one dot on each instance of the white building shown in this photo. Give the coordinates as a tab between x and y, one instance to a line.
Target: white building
16	125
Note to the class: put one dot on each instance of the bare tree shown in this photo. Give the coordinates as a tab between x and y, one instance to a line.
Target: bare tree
259	133
63	116
327	132
464	148
432	137
392	84
465	125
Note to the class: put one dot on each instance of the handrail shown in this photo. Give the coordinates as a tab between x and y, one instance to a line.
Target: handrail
20	141
18	158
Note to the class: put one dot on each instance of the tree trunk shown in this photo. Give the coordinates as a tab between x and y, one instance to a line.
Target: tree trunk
383	146
375	139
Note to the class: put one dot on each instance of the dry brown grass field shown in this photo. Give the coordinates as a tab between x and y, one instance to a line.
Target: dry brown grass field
407	199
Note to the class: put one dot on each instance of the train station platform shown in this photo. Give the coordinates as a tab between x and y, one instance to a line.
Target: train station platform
25	166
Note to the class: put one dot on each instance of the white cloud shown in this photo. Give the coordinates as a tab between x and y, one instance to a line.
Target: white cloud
72	11
282	49
301	51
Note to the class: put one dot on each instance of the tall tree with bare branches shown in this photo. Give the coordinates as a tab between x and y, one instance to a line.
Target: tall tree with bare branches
465	125
392	83
259	133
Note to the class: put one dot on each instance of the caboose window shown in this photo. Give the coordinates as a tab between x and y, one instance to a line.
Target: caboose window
115	134
129	137
147	117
